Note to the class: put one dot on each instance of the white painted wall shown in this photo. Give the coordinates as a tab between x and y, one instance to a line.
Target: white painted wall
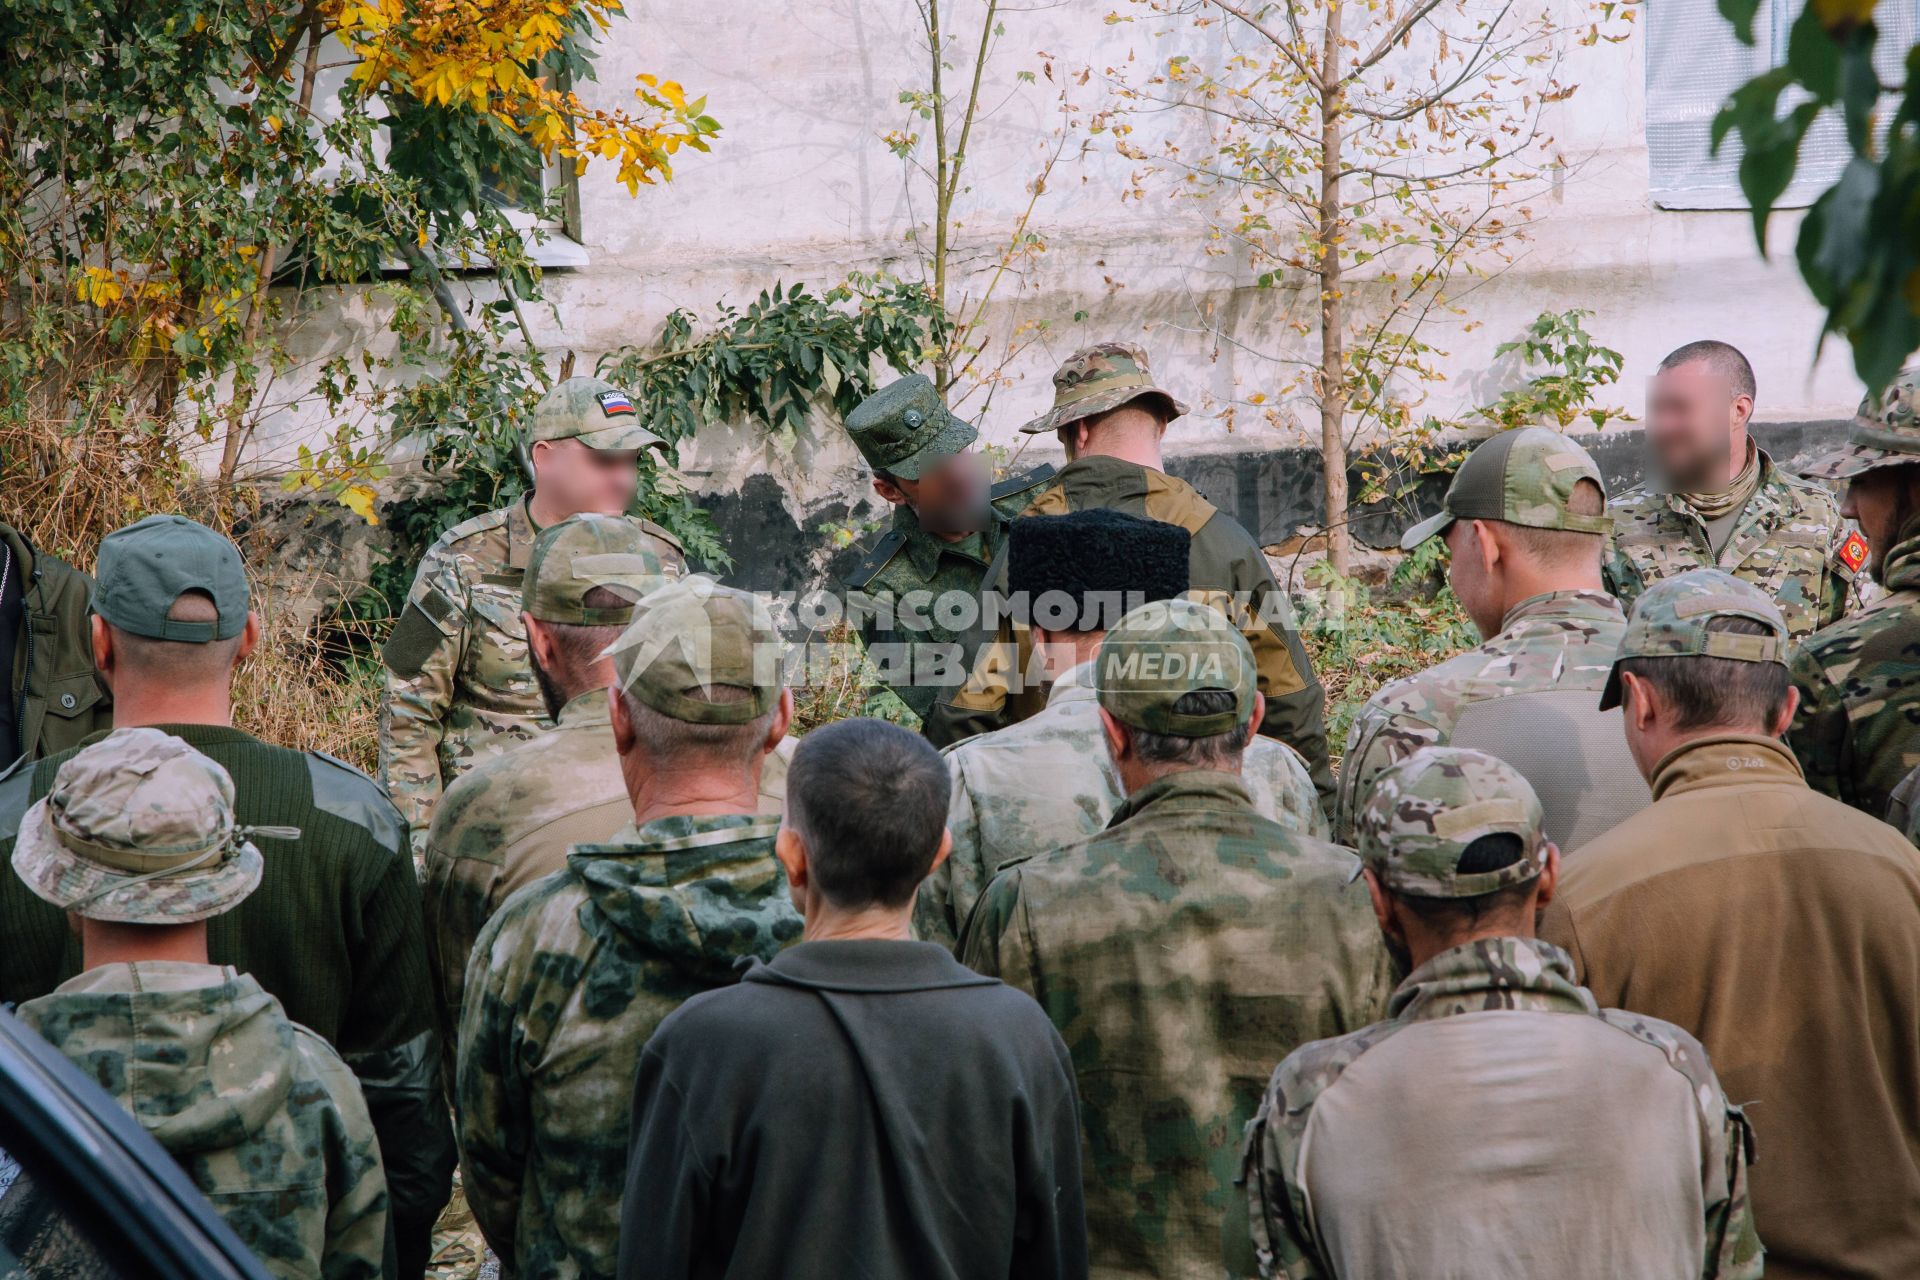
801	187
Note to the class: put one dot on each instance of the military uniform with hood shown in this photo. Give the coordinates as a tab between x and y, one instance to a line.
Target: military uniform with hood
571	976
54	696
1857	730
260	1112
459	686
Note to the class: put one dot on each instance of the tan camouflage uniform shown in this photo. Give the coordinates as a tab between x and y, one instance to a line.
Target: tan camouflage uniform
1789	541
1048	782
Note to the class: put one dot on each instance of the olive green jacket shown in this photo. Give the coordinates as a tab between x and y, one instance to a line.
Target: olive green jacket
58	697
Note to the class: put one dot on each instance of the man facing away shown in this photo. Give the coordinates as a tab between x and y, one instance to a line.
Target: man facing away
1111	418
138	844
1857	730
1048	781
1524	520
1181	950
1715	499
1779	926
862	1105
1500	1124
459	687
948	525
335	932
573	974
52	696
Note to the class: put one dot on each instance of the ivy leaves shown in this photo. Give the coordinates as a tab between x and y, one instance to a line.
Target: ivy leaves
1859	246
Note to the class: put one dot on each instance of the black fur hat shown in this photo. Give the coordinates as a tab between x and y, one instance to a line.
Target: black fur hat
1094	565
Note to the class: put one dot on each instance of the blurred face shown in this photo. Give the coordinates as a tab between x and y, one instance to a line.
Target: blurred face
1472	579
949	497
1876	501
1694	420
572	478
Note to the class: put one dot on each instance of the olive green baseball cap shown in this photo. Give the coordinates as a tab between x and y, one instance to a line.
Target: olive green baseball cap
690	636
1523	477
1166	649
1670	619
580	553
905	427
597	414
147	566
1884	434
1425	810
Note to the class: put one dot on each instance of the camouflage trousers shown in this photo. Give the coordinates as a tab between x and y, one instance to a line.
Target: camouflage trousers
459	1250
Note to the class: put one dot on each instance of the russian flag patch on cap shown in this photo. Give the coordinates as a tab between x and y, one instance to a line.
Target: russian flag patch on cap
615	403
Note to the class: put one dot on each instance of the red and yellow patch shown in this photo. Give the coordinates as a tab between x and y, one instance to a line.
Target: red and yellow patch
1853	552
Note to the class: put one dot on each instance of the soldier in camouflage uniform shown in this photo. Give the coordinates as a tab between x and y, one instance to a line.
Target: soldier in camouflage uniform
458	684
1764	526
138	840
1499	1124
1047	781
1517	497
1857	732
574	972
945	533
1108	413
1181	950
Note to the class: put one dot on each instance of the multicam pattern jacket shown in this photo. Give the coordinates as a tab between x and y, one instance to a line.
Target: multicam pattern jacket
1789	541
1495	973
1560	640
567	981
1048	782
459	687
260	1112
1857	731
1181	952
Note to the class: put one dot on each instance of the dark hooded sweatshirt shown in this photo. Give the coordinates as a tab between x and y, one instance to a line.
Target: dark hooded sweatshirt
855	1109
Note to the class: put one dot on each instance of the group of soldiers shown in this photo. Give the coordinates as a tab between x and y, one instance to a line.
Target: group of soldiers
1599	956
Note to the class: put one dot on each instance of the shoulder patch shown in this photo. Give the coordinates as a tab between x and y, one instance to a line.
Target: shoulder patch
875	560
1020	484
346	793
1852	552
475	524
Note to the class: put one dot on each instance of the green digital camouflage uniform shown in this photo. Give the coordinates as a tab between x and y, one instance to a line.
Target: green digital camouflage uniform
1789	541
458	684
1857	730
1048	782
1423	814
1180	952
261	1113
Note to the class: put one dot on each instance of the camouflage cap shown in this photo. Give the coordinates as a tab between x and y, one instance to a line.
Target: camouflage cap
1166	649
1523	477
1096	379
139	828
1670	619
597	414
580	553
147	566
905	427
1883	434
1425	810
691	636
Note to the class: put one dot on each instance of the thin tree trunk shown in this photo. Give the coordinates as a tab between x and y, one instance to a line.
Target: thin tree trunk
942	367
1333	377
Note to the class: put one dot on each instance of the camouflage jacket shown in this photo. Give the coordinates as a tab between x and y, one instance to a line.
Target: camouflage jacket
260	1112
905	572
1789	541
1857	732
510	821
1563	639
1048	781
1492	974
1225	566
567	981
1181	952
458	684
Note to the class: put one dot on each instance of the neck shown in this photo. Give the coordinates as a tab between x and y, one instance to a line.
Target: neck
1423	946
693	793
546	511
1525	581
1142	448
136	707
104	942
828	923
1137	777
1657	744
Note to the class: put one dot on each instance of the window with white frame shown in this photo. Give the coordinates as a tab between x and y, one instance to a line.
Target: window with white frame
1694	63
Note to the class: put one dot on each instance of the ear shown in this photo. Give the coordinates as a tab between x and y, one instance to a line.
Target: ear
1119	740
537	452
940	854
539	642
782	718
792	852
1778	728
1486	546
1549	878
1742	413
1637	701
249	637
102	637
623	735
1382	905
889	491
1259	714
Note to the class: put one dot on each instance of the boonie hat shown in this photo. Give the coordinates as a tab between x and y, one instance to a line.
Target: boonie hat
690	636
1525	477
1670	619
1098	379
147	566
580	553
1164	650
1425	810
1883	434
905	427
597	414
